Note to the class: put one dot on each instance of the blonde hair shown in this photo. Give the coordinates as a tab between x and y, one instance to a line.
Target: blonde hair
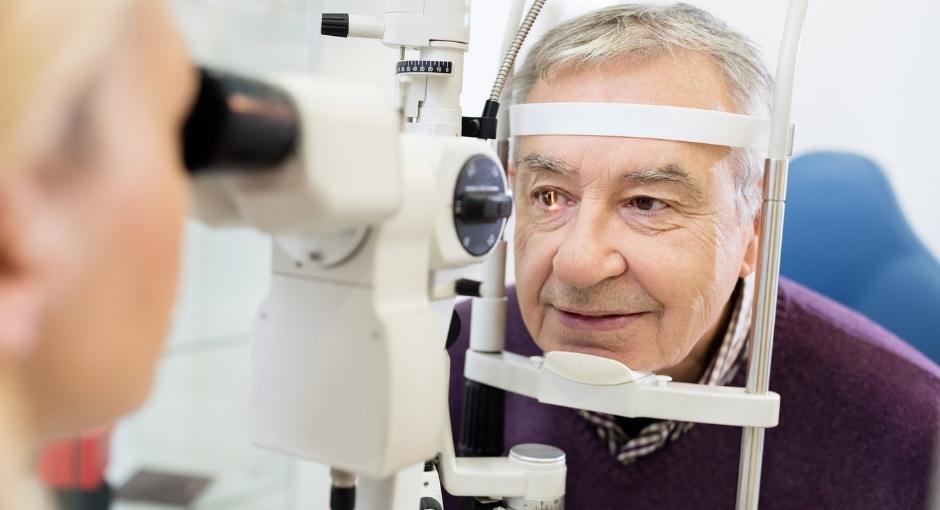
47	50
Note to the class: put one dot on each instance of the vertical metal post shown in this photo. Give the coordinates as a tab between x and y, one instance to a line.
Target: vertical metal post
762	329
771	236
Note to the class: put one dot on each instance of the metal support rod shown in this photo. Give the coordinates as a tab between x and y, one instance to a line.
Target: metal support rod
771	239
762	329
768	272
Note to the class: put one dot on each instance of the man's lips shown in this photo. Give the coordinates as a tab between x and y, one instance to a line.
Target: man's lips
593	321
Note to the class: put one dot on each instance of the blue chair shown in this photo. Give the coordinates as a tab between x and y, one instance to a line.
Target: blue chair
846	237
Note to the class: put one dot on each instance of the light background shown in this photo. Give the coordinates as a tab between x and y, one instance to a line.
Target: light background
868	82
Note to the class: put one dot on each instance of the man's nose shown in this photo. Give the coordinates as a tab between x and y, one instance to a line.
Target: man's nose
588	255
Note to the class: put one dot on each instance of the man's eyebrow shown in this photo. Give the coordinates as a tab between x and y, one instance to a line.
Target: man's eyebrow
668	173
540	162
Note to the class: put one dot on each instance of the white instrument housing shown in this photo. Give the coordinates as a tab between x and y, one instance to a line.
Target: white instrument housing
348	363
333	182
348	360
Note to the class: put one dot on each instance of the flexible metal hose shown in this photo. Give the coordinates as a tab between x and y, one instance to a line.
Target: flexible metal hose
514	48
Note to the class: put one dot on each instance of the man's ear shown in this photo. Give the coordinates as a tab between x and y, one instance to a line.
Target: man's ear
752	249
24	289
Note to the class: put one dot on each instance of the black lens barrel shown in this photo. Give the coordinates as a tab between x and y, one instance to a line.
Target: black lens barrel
238	124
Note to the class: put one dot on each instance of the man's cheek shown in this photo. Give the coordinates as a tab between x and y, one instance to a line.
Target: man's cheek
681	273
656	261
536	251
534	255
672	271
522	231
693	250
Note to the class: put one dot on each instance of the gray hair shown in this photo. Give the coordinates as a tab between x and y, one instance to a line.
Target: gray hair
650	31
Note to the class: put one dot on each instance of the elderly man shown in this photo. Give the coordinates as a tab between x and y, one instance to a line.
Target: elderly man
644	251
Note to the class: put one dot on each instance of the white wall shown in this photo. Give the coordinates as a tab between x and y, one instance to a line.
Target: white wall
871	83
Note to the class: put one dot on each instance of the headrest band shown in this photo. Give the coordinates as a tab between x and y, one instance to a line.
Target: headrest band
640	121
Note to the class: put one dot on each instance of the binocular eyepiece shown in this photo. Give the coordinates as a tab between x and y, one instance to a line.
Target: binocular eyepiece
238	124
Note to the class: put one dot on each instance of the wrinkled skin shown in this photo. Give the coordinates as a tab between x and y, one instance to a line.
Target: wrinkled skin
630	248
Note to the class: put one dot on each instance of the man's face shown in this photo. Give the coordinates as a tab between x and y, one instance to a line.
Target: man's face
629	248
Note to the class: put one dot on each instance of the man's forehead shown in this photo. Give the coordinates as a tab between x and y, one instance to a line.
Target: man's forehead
592	154
690	80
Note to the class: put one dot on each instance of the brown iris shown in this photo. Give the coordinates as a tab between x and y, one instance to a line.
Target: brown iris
550	198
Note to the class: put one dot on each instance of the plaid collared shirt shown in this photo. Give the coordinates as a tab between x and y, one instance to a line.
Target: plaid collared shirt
722	368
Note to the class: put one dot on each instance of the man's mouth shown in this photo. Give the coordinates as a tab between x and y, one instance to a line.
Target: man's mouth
594	320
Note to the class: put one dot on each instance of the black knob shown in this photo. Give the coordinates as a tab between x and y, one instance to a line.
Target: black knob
335	24
468	288
481	204
483	207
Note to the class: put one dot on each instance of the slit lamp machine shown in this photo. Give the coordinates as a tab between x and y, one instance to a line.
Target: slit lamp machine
349	366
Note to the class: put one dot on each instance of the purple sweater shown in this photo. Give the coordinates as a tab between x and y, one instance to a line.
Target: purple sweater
858	424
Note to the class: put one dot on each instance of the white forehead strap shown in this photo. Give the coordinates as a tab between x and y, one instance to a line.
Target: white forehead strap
640	121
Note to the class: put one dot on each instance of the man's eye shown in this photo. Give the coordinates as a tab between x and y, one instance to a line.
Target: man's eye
647	204
551	199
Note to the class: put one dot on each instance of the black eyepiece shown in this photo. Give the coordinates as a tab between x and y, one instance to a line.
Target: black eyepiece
335	24
238	124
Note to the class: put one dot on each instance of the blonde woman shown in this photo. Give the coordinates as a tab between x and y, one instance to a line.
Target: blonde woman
92	198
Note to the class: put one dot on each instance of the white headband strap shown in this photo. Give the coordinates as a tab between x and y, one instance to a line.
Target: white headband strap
640	121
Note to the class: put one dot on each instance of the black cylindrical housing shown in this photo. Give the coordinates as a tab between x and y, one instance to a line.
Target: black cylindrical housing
481	421
238	123
335	24
342	498
490	109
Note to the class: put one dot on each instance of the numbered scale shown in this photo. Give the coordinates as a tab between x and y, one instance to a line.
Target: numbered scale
424	67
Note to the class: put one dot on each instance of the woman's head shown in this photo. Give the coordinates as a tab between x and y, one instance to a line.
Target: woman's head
92	196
